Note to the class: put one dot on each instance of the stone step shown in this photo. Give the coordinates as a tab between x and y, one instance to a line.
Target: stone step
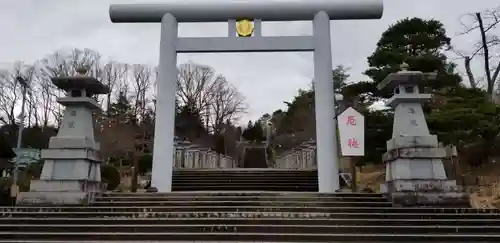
268	176
243	198
282	194
240	204
206	189
245	170
253	221
245	180
256	183
162	241
254	209
245	176
235	188
248	188
247	183
290	178
254	228
177	241
306	214
221	186
231	237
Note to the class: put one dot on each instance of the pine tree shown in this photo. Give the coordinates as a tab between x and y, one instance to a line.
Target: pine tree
189	123
122	109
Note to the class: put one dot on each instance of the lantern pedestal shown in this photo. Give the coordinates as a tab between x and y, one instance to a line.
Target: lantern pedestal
415	175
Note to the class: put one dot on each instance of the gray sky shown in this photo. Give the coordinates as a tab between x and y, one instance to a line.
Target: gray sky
31	29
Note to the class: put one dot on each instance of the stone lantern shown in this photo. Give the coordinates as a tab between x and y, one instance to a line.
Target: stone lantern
71	172
415	174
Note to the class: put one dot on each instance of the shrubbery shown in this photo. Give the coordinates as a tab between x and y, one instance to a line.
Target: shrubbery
110	175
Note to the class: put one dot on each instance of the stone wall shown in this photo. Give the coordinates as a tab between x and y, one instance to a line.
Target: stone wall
303	157
190	156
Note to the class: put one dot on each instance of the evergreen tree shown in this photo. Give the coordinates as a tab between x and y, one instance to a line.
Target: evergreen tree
258	132
419	43
189	123
247	132
121	109
254	132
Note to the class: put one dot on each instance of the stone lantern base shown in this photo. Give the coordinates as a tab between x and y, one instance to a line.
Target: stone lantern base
415	174
71	174
412	192
60	192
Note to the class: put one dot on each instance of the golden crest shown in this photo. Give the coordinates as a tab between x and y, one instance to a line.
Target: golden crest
244	28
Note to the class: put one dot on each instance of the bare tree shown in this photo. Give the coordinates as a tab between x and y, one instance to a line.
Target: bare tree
226	105
195	85
33	102
11	90
488	46
142	76
45	100
122	86
63	63
113	73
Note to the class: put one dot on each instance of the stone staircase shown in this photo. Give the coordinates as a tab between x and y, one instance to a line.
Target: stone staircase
245	180
245	216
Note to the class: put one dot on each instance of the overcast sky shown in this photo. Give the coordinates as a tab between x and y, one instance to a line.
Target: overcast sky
31	29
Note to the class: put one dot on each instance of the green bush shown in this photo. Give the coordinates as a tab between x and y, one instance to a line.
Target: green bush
145	163
31	172
110	175
5	183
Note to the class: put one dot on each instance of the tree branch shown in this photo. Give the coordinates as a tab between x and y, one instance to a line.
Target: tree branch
487	71
468	70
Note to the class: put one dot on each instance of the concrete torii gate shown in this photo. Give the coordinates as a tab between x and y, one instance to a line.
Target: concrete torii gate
320	11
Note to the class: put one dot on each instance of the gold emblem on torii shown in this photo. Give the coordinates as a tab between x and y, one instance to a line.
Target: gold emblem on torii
245	27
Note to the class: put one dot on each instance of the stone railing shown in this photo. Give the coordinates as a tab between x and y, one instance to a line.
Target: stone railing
302	157
191	156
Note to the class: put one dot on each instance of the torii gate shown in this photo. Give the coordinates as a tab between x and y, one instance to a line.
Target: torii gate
319	11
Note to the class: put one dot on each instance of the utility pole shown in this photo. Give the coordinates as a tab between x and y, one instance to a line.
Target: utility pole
24	85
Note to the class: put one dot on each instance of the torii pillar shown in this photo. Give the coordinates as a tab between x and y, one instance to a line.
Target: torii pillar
319	11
